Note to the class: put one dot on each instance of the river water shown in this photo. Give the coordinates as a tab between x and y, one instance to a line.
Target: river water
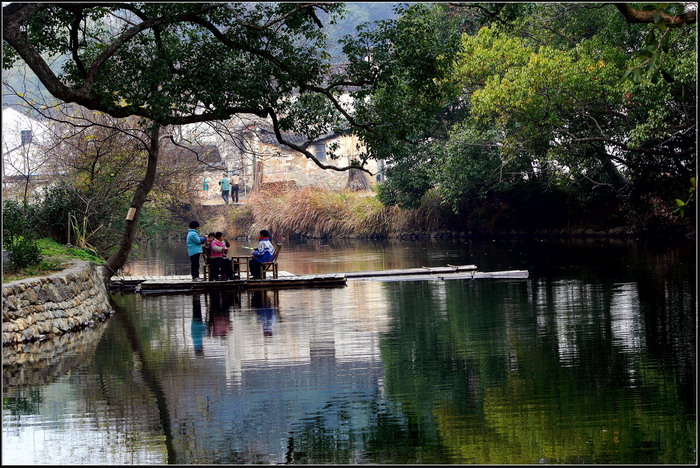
591	360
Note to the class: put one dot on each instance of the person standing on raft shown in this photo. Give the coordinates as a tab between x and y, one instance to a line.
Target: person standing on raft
194	249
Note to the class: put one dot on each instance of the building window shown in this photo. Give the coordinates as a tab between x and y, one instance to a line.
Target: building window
26	137
321	151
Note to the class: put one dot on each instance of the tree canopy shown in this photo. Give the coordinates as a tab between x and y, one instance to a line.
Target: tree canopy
179	63
483	99
475	102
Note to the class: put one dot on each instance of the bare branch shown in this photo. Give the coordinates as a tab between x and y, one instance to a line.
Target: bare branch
309	7
305	152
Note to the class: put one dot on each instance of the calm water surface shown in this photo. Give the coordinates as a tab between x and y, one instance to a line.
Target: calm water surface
591	360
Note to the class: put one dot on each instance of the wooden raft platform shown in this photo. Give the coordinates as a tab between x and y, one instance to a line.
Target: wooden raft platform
510	274
184	283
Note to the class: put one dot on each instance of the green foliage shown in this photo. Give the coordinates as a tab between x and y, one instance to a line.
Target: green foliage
681	205
653	61
94	227
51	214
52	249
534	100
407	61
25	252
407	181
471	166
15	222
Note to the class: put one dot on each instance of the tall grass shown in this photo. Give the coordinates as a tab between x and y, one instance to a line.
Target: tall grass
325	213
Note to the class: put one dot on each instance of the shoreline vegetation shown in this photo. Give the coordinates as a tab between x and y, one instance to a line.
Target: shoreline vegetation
55	257
313	213
322	214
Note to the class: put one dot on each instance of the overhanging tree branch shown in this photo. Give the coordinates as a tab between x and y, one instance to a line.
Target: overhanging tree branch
634	15
302	148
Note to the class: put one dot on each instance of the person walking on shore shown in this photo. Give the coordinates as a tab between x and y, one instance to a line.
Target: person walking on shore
205	187
225	184
234	188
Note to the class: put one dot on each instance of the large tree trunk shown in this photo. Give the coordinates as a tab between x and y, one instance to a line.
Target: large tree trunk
118	260
618	180
357	181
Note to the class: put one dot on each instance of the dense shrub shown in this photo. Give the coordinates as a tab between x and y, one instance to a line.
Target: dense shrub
50	216
15	223
25	252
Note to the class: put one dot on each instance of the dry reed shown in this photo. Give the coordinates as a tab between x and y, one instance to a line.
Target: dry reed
324	213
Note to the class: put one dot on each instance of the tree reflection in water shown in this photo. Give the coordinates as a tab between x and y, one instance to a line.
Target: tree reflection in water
592	360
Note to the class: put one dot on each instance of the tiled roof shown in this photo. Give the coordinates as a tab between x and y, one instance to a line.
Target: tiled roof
267	136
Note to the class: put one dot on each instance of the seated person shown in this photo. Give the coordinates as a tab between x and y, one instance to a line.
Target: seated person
206	247
220	265
236	267
264	253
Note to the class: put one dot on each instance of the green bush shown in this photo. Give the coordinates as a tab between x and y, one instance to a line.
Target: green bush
51	215
14	222
25	252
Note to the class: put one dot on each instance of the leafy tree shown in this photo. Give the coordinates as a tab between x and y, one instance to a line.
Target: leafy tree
471	166
179	63
573	105
15	222
534	96
407	100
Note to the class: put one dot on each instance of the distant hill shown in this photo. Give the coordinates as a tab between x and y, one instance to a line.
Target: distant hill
356	14
20	79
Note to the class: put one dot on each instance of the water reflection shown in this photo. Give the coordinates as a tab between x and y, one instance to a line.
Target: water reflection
198	327
570	368
266	305
507	391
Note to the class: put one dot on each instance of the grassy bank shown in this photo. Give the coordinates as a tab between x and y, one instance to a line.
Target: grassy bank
55	258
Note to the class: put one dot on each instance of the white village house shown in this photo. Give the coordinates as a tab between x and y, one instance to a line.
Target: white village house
23	153
243	146
249	150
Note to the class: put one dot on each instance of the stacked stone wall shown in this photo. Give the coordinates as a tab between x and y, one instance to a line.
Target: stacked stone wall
38	308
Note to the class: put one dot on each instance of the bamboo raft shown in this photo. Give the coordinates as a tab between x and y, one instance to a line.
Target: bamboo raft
184	283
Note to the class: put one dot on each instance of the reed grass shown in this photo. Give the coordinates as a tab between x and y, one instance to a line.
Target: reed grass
325	213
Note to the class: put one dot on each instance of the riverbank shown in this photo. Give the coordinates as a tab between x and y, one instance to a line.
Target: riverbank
55	257
323	214
44	307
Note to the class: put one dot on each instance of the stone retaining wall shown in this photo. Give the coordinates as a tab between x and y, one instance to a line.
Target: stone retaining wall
37	308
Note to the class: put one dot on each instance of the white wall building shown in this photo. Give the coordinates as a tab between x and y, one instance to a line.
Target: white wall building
23	152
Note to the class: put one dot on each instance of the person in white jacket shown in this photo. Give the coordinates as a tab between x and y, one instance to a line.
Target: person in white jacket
264	253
